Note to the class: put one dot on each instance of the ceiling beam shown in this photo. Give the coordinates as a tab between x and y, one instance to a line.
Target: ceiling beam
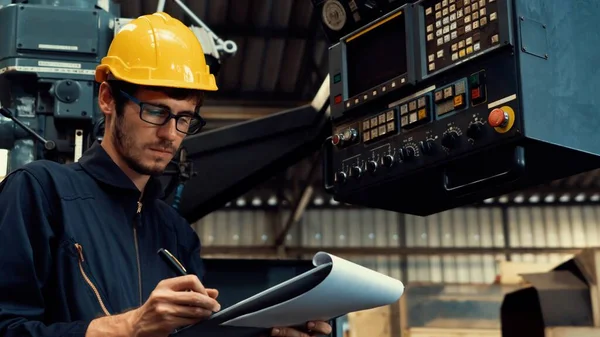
235	112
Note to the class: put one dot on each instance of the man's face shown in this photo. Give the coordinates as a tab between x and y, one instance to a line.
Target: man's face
147	148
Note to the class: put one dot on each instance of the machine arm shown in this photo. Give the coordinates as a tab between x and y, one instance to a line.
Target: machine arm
230	161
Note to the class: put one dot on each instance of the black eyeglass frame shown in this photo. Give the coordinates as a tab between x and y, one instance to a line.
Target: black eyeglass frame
168	110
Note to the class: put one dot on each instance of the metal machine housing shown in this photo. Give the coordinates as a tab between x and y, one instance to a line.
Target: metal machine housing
426	146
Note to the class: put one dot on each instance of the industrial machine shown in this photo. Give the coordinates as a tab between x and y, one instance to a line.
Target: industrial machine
47	77
437	104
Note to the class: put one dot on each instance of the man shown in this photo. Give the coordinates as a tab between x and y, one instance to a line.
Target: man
78	242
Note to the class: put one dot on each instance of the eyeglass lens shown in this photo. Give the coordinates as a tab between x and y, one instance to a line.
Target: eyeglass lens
157	115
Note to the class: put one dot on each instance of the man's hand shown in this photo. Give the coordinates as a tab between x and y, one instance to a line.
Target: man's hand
174	303
171	306
314	328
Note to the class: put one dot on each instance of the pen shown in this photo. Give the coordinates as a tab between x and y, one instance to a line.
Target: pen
172	262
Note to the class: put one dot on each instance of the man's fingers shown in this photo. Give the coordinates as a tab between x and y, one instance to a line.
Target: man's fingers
191	299
182	311
181	283
213	293
319	327
288	332
190	312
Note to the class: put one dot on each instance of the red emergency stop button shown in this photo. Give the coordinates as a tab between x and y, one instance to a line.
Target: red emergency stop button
498	118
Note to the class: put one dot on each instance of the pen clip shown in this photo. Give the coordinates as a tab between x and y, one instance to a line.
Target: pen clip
175	259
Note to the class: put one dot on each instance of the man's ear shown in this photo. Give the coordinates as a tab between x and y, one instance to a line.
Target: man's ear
106	100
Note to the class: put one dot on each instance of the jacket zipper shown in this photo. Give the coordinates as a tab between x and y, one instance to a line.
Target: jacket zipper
137	251
88	281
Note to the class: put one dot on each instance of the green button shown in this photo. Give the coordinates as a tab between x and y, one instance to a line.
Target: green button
474	80
337	78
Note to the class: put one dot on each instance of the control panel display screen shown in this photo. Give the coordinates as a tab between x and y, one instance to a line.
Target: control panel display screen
458	29
376	55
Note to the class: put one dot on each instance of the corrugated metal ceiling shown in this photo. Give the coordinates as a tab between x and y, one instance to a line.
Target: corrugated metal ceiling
282	53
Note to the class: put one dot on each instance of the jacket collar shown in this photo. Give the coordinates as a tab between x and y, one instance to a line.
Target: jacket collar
100	166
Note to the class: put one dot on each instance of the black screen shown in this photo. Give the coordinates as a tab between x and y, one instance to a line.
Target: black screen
376	56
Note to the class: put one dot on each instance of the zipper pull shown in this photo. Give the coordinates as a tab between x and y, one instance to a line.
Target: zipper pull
80	250
138	215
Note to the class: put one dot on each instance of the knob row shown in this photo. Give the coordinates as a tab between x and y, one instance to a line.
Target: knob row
388	160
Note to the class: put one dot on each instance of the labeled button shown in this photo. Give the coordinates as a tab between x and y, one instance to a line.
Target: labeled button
439	96
366	136
459	101
403	109
448	92
404	120
459	88
478	94
389	115
412	117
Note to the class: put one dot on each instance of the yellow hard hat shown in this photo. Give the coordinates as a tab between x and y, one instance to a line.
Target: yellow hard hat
157	50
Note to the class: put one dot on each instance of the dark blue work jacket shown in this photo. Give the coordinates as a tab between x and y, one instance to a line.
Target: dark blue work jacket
75	245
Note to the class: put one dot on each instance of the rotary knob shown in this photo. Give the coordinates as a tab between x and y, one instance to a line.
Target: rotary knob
407	153
427	146
341	177
356	172
475	130
387	160
451	139
371	166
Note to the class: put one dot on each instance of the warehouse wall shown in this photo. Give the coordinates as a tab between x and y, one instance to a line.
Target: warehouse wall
562	226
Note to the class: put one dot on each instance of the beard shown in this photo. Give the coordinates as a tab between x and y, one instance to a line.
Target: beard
132	155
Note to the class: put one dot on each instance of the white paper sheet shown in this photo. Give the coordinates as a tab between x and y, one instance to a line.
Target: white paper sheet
349	287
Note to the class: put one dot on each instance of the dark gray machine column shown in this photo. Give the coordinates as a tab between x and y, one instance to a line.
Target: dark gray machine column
47	76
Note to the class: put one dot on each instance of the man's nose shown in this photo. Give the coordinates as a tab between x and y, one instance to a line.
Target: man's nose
169	130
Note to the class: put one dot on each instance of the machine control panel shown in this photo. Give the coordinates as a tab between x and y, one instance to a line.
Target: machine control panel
452	94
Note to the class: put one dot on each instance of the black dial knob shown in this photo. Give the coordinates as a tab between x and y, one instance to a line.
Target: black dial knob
451	139
371	166
475	130
387	160
427	146
407	153
340	177
356	172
